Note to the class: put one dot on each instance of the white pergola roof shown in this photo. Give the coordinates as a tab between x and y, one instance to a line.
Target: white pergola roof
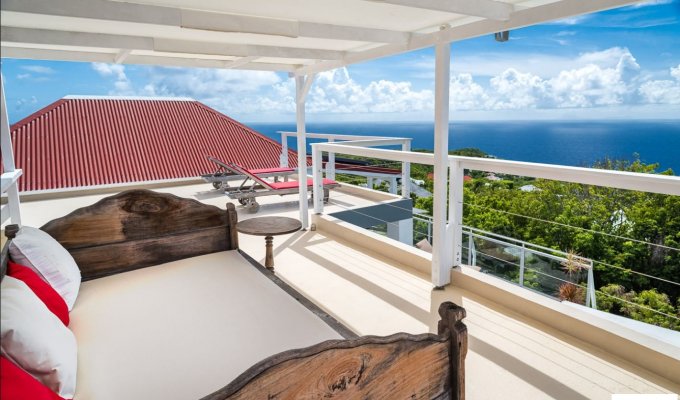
297	36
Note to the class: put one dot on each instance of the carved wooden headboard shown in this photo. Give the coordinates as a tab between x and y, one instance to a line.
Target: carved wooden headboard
140	228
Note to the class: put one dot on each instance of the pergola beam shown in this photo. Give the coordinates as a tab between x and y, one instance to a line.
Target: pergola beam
121	56
239	62
199	20
490	9
518	19
108	41
240	50
160	60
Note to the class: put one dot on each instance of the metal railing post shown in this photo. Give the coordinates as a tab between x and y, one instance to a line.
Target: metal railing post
474	250
470	248
405	172
455	221
283	159
591	300
330	165
317	179
521	266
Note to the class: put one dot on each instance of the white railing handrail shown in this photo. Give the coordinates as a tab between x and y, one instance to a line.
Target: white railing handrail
652	183
344	137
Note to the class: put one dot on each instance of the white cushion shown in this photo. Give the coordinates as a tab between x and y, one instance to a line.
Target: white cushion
35	339
42	253
184	329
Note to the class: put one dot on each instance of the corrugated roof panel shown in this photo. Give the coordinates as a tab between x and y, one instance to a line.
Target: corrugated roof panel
77	142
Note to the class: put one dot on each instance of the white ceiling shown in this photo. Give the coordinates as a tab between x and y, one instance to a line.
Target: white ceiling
298	36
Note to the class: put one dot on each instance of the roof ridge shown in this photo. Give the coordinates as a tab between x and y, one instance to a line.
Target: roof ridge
143	98
37	114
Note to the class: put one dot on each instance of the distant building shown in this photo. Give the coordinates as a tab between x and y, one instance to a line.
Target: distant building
92	141
492	177
529	188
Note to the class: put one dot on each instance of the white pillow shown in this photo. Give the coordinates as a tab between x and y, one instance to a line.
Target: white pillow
42	253
35	339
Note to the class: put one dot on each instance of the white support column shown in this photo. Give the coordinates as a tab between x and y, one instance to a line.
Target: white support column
302	86
454	227
330	165
283	159
393	185
369	182
406	172
441	274
317	178
8	160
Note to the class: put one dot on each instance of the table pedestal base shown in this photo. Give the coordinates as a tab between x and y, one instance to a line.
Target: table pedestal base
269	257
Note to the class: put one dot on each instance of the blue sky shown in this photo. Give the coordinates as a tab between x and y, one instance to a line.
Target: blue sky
617	64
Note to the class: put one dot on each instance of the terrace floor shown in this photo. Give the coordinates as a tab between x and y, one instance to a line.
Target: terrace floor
510	355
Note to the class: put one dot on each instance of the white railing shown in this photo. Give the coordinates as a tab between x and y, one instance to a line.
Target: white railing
446	256
526	248
523	249
355	140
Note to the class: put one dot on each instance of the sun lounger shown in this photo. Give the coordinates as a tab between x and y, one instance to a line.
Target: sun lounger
221	177
246	194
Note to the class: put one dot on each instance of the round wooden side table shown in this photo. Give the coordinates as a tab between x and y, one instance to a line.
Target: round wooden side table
269	227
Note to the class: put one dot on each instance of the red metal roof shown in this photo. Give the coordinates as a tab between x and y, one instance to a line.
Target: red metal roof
89	142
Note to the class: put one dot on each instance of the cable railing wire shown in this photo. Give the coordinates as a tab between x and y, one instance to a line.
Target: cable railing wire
573	227
637	305
636	272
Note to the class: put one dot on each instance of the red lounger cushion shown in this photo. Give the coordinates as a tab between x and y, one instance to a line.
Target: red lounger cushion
294	184
269	170
42	289
17	384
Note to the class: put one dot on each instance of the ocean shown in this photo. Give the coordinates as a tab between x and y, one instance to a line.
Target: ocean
574	143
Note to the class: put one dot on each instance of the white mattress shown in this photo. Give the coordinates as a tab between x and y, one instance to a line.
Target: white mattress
184	329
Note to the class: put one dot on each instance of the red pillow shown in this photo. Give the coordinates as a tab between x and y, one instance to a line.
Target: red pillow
17	384
42	289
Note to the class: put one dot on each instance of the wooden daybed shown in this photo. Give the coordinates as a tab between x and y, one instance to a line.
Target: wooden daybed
170	308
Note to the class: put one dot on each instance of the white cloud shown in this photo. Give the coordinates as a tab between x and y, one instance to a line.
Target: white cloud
663	91
24	101
544	65
122	85
579	19
200	83
465	94
605	79
23	76
38	69
336	91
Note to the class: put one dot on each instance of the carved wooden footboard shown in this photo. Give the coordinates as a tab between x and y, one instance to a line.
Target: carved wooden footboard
400	366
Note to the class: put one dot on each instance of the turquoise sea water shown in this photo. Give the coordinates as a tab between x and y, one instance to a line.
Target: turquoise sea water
576	143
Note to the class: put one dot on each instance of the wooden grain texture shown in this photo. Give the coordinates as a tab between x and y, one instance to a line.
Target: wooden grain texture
133	214
400	366
451	324
232	220
269	226
140	228
108	259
